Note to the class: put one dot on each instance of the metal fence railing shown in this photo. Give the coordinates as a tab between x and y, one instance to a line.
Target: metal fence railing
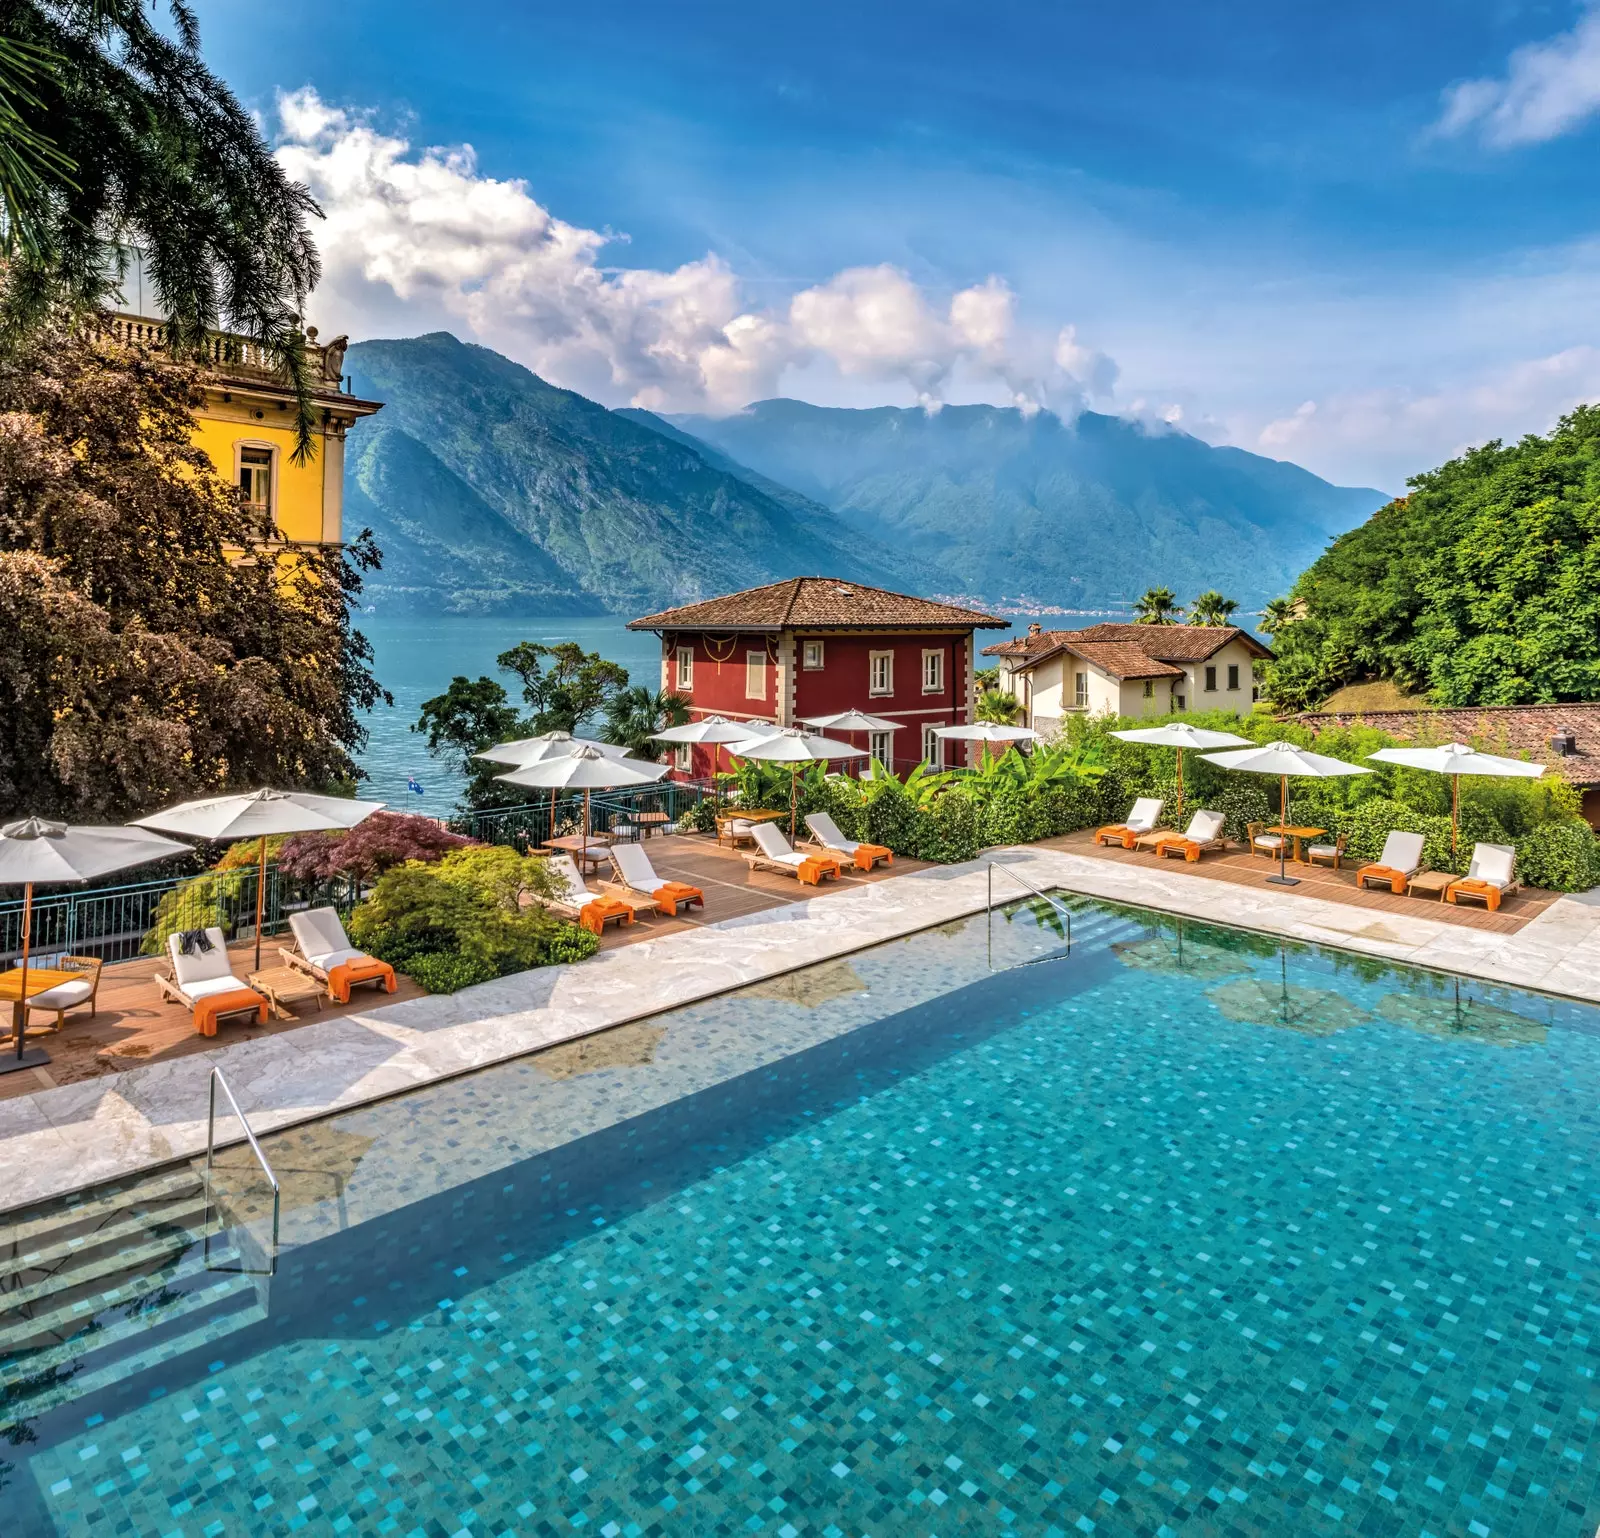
529	825
120	923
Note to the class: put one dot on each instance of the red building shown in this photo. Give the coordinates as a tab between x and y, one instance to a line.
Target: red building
813	646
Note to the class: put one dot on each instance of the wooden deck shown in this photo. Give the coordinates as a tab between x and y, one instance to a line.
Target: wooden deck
1242	869
134	1026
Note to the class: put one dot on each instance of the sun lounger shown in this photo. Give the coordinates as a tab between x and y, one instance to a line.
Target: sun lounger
202	983
322	950
825	831
1491	875
635	872
1400	861
1203	833
575	901
1142	819
774	852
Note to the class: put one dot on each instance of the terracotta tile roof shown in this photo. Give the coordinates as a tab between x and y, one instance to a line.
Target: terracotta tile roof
815	602
1161	643
1509	729
1122	660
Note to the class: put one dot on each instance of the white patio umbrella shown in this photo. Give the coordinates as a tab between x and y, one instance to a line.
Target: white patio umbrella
35	852
260	814
852	721
715	732
533	750
987	732
790	745
1180	735
1457	759
587	769
1285	760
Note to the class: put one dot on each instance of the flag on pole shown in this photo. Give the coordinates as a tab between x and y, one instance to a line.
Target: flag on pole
413	784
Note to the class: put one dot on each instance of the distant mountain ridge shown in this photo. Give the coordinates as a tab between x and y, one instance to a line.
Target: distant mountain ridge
1011	504
492	491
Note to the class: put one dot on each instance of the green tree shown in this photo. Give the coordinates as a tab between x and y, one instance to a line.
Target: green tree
114	135
998	706
563	684
142	663
633	715
1278	613
1211	608
471	715
1157	606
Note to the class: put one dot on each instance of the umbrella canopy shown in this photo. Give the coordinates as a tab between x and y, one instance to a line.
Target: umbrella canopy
1457	759
1284	759
790	745
715	730
587	769
35	852
260	814
533	750
1180	735
987	731
852	721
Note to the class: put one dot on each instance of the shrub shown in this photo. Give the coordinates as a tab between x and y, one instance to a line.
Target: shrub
699	818
567	942
1240	804
1372	822
948	830
891	818
366	851
1560	856
436	972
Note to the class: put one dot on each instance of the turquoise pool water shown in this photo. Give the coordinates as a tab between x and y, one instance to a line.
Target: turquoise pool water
1186	1233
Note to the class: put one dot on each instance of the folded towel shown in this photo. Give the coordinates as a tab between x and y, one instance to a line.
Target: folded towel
234	1002
594	913
866	854
815	866
670	893
347	972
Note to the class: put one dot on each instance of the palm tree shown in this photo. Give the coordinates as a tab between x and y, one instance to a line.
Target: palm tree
634	715
1278	613
1211	608
998	706
114	135
1157	606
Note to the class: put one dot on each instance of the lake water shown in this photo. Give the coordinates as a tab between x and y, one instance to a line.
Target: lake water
417	658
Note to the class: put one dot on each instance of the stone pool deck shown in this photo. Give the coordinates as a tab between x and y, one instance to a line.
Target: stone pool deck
61	1139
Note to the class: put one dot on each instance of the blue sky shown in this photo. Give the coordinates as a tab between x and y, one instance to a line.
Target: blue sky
1361	238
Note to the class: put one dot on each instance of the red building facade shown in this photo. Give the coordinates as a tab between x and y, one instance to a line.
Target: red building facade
814	646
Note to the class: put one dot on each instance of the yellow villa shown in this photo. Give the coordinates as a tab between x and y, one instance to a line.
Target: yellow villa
247	428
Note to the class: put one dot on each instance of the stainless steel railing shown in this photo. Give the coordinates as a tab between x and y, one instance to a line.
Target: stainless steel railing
261	1159
1060	908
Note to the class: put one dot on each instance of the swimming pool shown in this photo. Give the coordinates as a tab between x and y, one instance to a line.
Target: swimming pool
1188	1231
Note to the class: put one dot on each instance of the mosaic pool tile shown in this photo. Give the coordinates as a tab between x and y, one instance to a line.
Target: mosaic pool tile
1185	1234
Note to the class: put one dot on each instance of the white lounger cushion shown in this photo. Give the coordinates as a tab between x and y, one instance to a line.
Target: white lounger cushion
1402	851
574	891
634	866
201	966
206	986
1204	826
1142	819
774	845
827	830
319	934
62	996
1493	864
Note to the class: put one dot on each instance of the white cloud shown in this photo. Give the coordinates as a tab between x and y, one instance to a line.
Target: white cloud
421	239
1549	88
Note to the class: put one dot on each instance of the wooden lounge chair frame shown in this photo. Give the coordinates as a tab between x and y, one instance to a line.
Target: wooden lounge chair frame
1192	848
1484	891
294	955
173	992
1129	832
1397	878
760	859
570	910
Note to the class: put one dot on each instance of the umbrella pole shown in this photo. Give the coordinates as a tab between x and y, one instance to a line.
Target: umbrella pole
261	897
1282	879
20	1008
794	798
1455	811
1180	787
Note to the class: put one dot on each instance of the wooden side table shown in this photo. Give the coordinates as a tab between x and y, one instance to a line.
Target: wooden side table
284	986
1429	883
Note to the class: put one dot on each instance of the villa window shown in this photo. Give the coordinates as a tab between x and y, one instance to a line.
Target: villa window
1081	695
1233	675
683	758
686	667
1182	702
255	480
755	675
811	658
1211	680
933	672
881	746
1149	688
880	673
932	748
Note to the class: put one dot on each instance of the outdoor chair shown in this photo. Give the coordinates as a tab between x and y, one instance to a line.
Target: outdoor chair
825	833
1400	861
1491	876
71	995
1263	843
637	874
577	902
203	984
1141	820
1204	833
324	952
1328	854
774	852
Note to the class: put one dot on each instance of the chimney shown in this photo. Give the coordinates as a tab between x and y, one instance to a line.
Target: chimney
1034	628
1565	741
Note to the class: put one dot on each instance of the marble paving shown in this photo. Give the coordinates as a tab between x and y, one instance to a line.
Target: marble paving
59	1140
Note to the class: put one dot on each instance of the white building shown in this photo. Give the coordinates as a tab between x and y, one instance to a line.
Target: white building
1128	670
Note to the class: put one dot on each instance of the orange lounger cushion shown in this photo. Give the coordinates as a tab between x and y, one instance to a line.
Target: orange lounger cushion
670	893
867	855
1119	834
347	972
234	1002
815	867
1470	886
1187	847
1397	879
593	915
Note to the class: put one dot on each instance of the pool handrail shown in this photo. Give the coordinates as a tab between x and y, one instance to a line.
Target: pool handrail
261	1159
1060	908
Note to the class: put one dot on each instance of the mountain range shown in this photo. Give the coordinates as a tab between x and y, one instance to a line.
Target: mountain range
492	491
